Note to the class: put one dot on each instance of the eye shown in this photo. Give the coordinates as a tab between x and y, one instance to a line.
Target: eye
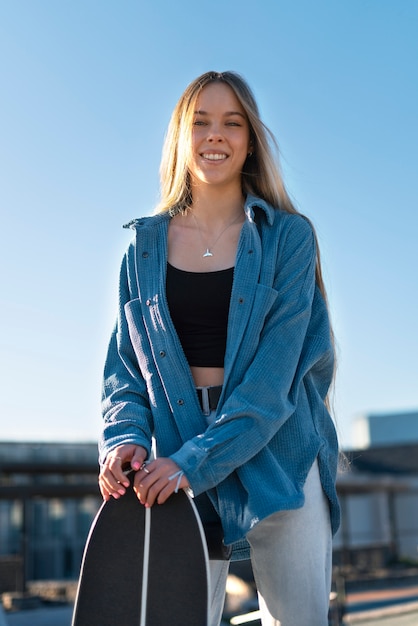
199	123
233	123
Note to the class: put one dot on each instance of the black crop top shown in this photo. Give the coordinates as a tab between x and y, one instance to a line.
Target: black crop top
199	307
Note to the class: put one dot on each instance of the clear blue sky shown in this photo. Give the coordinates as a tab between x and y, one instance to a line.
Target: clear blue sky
86	91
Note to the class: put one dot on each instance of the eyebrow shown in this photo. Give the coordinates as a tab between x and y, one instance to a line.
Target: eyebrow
226	114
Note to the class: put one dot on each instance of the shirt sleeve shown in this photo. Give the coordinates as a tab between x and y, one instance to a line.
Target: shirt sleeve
267	395
125	403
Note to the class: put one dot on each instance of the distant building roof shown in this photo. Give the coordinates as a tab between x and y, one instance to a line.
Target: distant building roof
395	459
380	429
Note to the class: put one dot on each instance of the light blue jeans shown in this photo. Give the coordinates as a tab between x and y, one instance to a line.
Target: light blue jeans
291	556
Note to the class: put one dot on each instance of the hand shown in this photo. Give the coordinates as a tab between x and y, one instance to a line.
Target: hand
112	480
153	484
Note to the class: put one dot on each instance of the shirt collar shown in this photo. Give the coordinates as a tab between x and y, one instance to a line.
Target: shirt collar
252	202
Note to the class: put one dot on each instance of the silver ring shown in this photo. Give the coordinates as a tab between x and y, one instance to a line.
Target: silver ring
146	470
118	457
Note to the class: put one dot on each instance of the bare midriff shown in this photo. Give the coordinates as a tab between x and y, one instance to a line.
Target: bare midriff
207	376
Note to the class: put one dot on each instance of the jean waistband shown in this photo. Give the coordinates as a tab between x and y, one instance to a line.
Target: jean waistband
209	398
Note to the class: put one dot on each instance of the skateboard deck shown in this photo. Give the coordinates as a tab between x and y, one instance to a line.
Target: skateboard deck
144	567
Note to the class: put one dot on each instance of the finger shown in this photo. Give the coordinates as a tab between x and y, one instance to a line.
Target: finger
147	483
172	486
166	492
106	495
112	479
157	489
111	487
104	489
154	491
138	459
141	485
114	465
162	489
146	469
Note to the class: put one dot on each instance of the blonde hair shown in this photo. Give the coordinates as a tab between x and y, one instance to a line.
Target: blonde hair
261	174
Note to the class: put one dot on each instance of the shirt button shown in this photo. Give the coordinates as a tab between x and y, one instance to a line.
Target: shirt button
180	401
145	255
241	300
162	353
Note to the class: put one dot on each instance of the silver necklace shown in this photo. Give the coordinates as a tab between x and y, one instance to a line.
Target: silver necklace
208	252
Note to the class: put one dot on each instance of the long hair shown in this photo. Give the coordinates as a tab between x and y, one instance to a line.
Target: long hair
261	175
261	172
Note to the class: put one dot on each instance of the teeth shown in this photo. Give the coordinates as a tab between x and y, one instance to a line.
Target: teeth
214	157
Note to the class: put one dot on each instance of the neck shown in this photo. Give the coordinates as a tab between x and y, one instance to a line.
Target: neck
215	205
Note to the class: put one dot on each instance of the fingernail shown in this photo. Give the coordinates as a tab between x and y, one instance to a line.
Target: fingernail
136	465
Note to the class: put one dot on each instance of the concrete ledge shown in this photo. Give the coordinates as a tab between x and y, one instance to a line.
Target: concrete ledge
388	611
54	590
20	601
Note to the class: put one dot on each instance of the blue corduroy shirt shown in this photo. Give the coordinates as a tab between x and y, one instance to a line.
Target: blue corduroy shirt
272	421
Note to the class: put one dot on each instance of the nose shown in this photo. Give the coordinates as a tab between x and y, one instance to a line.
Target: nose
215	138
215	135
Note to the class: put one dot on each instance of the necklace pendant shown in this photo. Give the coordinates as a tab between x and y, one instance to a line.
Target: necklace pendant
207	253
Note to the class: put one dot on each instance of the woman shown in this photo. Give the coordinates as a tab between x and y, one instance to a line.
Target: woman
223	353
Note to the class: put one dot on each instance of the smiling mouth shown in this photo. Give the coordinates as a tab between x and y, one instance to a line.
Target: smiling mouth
214	157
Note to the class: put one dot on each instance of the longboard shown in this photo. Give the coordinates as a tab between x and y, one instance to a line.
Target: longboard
144	567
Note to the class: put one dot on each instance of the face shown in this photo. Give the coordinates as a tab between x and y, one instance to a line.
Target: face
220	138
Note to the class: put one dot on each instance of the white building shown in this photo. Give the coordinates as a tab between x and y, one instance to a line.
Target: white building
379	502
386	429
379	493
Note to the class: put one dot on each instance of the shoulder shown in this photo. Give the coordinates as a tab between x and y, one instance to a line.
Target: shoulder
147	234
148	231
294	224
278	220
148	221
289	233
